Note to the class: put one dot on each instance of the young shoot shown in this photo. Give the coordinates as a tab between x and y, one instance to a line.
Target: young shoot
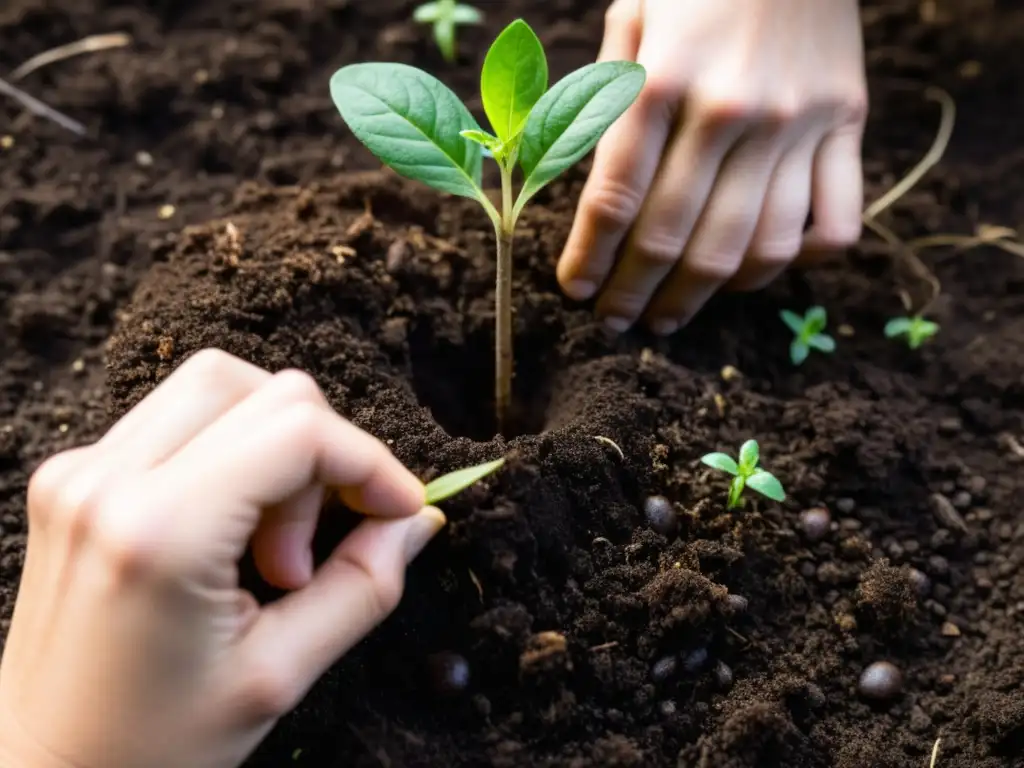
916	330
419	128
446	16
746	474
807	332
448	485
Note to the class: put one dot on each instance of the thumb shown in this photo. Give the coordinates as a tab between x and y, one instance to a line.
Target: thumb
301	635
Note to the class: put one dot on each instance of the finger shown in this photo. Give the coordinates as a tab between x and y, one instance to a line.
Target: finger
273	446
623	27
838	192
625	164
779	233
200	390
282	542
673	206
721	237
300	636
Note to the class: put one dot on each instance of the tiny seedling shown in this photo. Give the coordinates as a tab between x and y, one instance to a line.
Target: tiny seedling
448	485
807	331
916	329
746	474
419	128
446	16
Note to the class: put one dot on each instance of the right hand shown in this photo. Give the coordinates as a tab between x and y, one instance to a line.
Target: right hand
132	644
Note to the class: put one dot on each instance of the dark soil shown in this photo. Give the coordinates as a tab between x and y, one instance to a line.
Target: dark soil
592	640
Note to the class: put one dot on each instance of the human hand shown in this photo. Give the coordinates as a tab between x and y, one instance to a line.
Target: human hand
132	644
752	116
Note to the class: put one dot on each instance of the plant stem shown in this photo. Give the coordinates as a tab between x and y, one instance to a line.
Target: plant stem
503	306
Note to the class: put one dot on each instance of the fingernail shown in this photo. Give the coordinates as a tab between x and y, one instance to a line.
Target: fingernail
617	324
422	528
579	289
665	327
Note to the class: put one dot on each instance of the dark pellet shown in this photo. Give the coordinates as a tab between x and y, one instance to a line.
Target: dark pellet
449	673
696	660
723	675
661	516
846	506
881	681
815	523
664	668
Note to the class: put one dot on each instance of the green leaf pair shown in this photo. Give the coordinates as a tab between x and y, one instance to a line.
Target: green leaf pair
418	127
446	16
916	330
746	474
446	486
808	333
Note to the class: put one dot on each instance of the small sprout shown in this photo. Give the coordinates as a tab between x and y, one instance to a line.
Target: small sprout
448	485
746	473
808	333
917	330
446	16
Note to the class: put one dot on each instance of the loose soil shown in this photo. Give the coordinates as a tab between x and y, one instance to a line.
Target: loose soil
287	246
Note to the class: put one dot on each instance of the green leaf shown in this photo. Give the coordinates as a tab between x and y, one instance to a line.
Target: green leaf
448	485
721	461
815	320
793	320
570	119
514	77
483	138
798	351
898	326
412	122
766	484
444	36
822	342
467	14
736	492
427	13
750	453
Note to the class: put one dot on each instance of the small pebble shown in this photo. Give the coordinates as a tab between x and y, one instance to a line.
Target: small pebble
449	673
846	506
881	681
950	426
144	159
664	668
6	141
938	565
962	500
922	584
737	604
946	513
668	708
723	675
949	629
815	523
661	516
696	660
165	212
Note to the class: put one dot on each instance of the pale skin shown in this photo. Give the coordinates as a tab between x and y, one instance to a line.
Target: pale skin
132	644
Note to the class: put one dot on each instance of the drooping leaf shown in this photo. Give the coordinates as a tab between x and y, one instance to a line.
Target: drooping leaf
815	320
427	13
721	461
467	14
448	485
822	342
515	76
798	351
793	321
570	119
412	123
767	484
898	326
750	454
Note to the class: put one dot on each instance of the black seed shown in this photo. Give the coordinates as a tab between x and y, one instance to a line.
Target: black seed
815	523
723	675
664	668
696	660
881	681
448	672
846	506
737	604
922	584
661	516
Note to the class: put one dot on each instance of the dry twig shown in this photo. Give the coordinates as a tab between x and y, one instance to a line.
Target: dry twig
90	44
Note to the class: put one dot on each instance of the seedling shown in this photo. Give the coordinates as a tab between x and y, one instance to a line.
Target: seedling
916	329
415	125
446	16
746	474
448	485
808	333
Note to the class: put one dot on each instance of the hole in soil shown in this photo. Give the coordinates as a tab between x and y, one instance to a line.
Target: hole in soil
454	378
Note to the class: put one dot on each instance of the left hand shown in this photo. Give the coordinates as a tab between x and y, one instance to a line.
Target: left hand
752	116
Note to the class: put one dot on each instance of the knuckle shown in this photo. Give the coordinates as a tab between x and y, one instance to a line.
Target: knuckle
302	421
777	250
614	204
383	587
840	234
659	248
210	366
622	302
298	386
663	88
46	482
121	534
711	266
270	690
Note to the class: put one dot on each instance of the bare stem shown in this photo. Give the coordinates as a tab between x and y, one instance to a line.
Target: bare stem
505	232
